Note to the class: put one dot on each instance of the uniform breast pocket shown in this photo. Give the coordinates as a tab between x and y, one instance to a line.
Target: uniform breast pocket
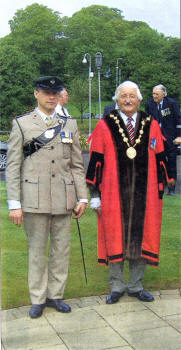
67	147
70	194
30	192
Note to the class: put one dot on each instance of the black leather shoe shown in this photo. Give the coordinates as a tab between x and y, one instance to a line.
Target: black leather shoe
36	310
113	297
171	191
58	304
142	295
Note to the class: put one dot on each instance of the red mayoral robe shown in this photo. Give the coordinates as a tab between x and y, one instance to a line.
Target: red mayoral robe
131	188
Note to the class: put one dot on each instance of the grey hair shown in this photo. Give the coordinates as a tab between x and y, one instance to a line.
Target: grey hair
162	88
127	83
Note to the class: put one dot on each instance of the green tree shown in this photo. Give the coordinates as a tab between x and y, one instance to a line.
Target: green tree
15	82
79	94
33	48
37	31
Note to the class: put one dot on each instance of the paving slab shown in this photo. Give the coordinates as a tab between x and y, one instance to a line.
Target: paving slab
165	338
135	321
89	301
76	321
169	296
165	307
119	308
174	321
22	323
93	339
172	292
28	334
119	348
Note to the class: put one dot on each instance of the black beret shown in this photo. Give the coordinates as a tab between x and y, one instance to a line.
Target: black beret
50	83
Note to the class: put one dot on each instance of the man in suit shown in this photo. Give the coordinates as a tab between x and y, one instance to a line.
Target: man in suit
126	184
45	178
108	109
166	111
63	99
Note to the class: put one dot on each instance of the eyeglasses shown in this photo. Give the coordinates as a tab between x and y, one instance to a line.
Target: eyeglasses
131	97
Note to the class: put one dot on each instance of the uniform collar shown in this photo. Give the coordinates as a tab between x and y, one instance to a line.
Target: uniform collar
43	115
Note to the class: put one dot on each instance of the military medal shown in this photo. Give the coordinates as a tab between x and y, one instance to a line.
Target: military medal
153	143
49	133
165	112
66	137
131	152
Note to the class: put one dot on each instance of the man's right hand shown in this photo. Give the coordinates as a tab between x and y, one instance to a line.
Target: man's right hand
16	216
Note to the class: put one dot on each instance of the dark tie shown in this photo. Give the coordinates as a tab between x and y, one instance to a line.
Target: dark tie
159	113
159	108
130	129
63	110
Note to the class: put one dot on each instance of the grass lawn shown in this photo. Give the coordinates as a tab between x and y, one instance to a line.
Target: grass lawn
14	257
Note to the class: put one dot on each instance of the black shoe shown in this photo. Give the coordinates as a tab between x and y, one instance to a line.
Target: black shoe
36	310
171	191
58	304
114	297
142	295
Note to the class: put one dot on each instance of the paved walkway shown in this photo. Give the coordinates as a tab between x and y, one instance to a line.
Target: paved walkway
93	325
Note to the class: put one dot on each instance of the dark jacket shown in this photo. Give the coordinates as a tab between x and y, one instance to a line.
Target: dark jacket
108	109
170	118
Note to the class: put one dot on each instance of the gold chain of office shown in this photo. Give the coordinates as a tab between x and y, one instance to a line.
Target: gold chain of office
130	152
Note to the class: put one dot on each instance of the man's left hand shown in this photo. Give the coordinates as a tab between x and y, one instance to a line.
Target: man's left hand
79	210
177	141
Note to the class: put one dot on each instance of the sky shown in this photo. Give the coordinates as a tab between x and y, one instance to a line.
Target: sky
162	15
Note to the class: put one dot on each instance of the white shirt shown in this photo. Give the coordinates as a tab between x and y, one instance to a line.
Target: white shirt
125	117
61	110
160	104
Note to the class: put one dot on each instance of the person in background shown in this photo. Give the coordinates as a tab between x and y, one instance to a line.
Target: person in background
108	109
167	112
126	185
44	179
63	99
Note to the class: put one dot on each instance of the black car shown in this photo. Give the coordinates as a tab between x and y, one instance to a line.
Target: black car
3	155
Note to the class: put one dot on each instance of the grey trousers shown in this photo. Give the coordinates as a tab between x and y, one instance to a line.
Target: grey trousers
47	278
116	278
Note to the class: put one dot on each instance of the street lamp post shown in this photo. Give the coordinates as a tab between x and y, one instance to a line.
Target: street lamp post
119	76
90	78
98	58
118	72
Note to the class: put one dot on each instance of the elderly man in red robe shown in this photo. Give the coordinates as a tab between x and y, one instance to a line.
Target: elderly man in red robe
125	175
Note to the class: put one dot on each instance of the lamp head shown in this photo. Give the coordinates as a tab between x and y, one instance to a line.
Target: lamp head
84	60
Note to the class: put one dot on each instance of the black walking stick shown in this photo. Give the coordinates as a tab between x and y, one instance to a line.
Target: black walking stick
82	249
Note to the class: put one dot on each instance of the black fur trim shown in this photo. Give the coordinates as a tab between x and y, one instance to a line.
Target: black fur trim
114	257
151	262
103	261
152	255
94	172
